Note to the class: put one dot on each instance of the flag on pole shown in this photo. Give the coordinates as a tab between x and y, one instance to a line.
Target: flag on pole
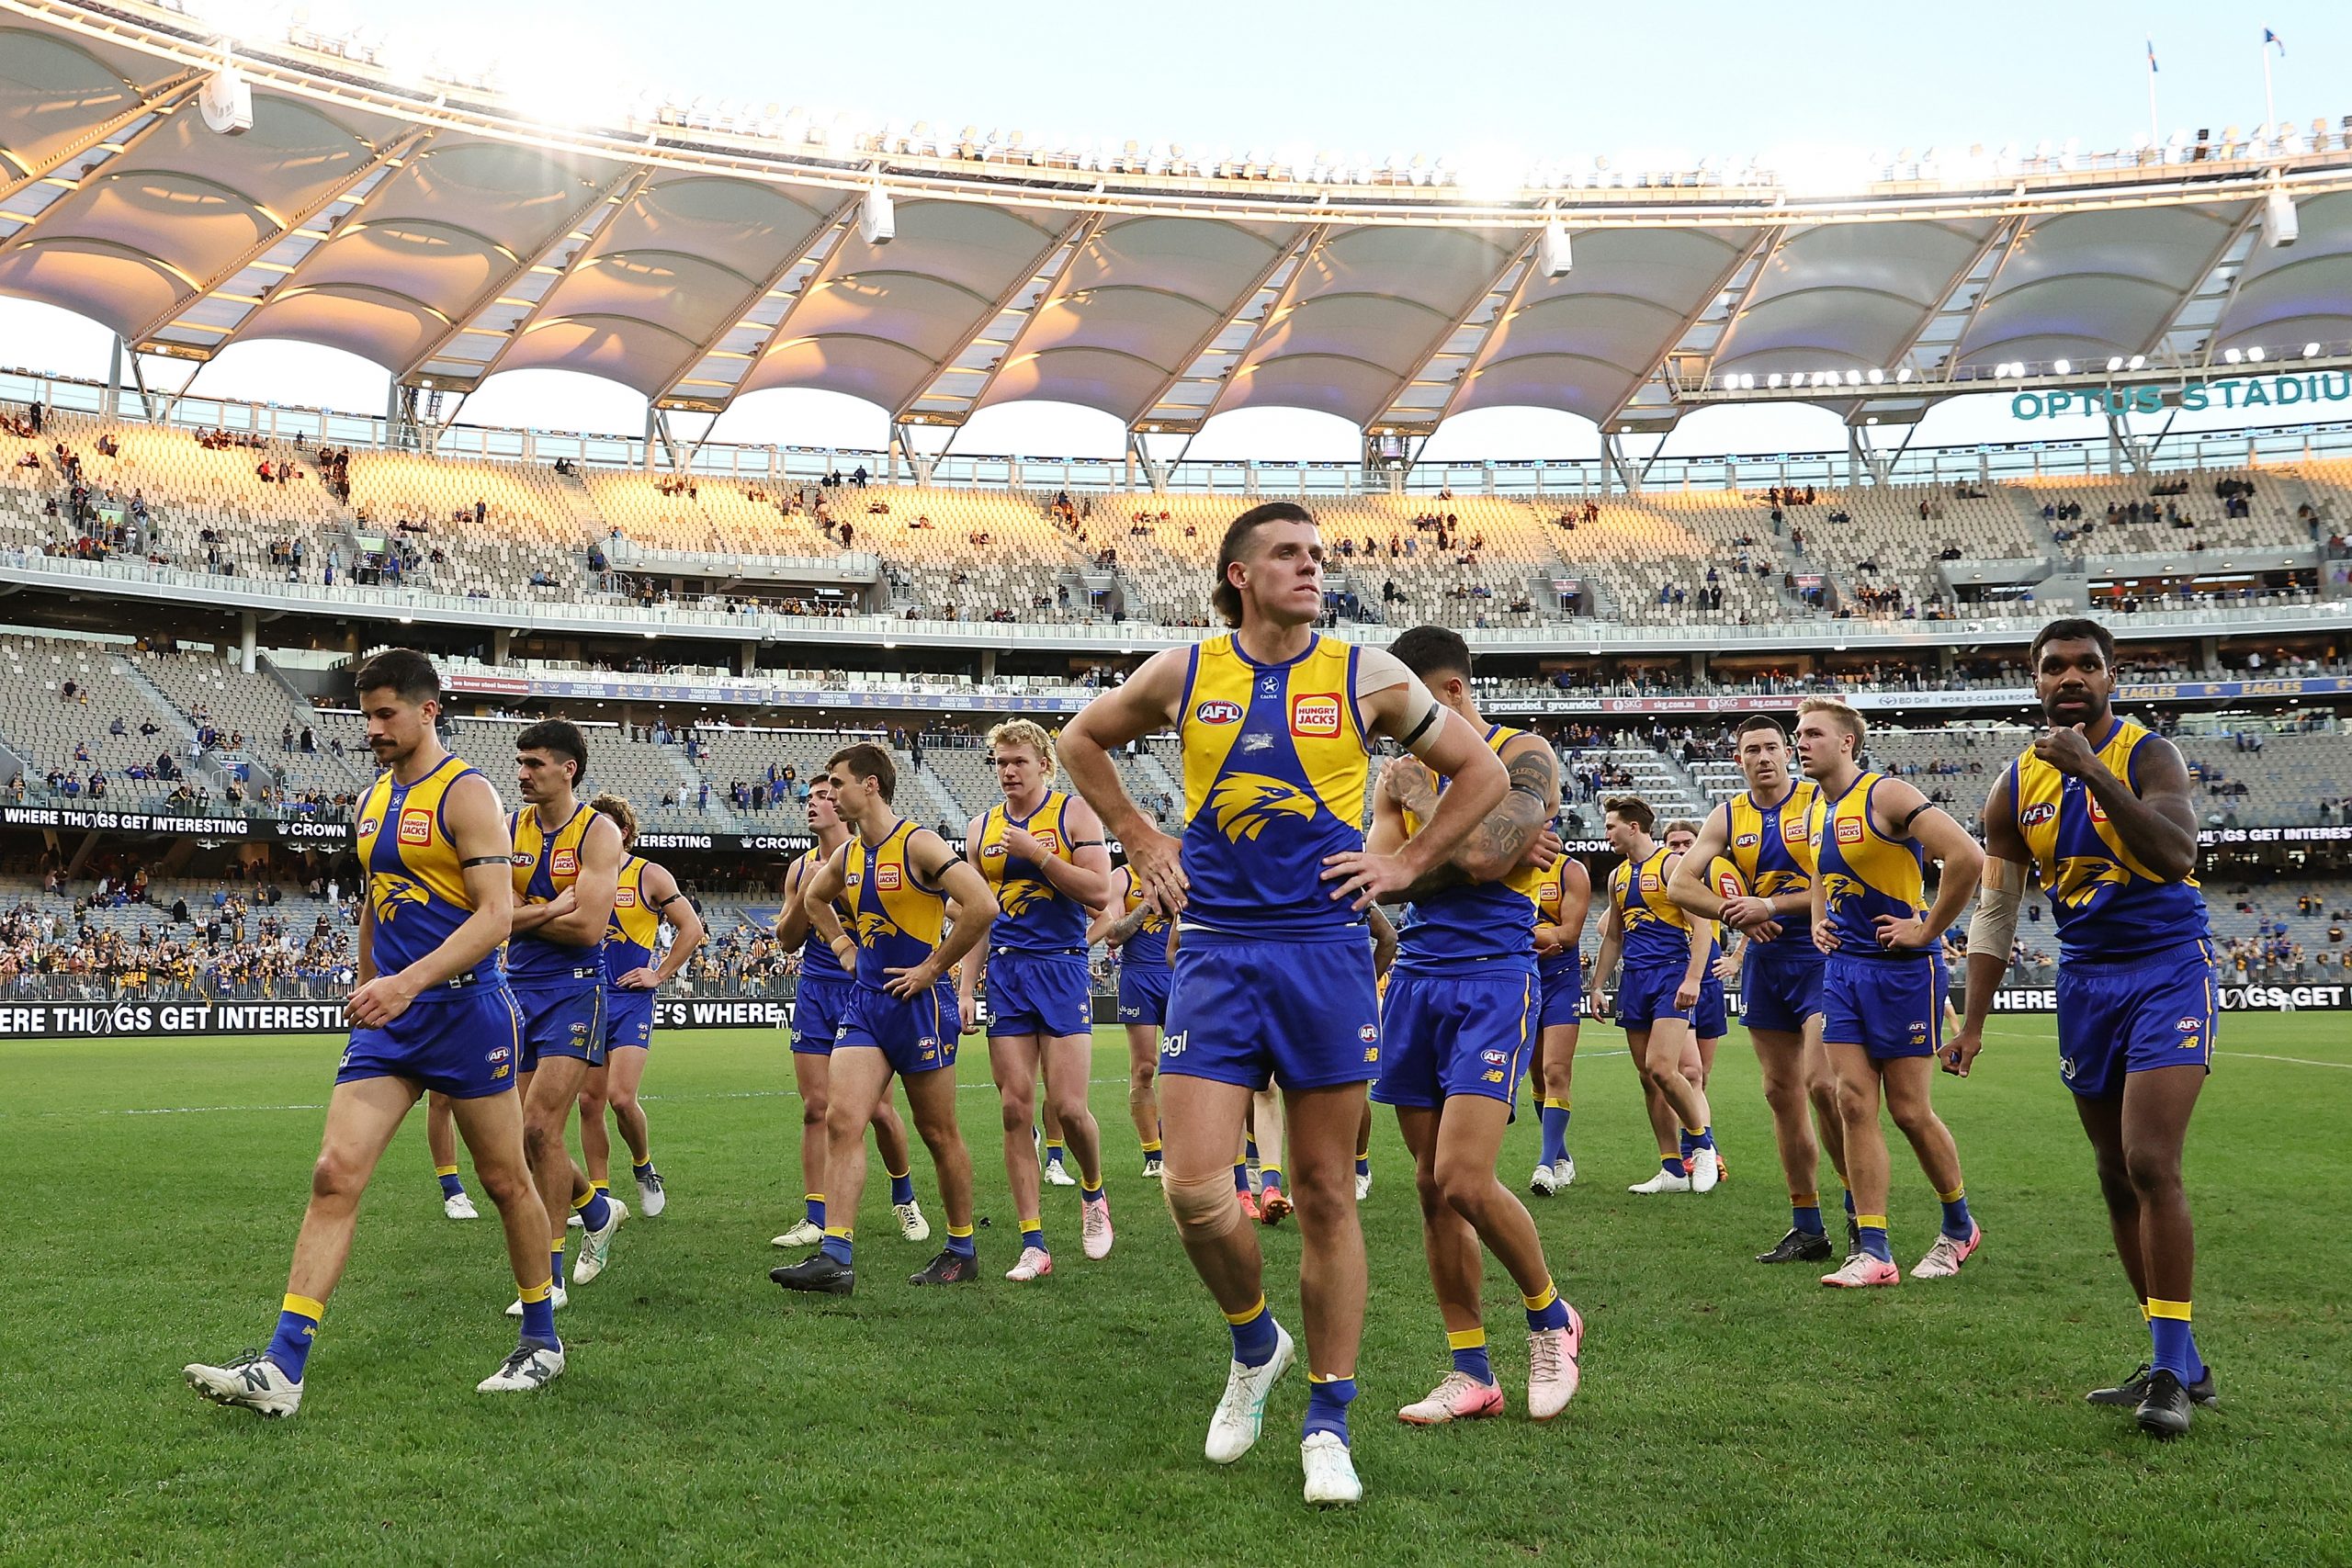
2152	57
2269	37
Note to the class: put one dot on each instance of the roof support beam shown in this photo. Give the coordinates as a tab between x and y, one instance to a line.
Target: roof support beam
2005	234
1307	250
1512	257
1283	252
1485	348
399	147
2253	213
162	97
615	199
825	272
1074	238
768	285
1983	296
1760	250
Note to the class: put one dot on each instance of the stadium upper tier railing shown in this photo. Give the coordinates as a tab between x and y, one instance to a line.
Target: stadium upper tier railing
1537	478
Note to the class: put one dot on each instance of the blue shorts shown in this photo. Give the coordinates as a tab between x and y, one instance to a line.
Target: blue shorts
1040	993
1779	995
1646	994
1707	1019
561	1022
1143	995
1561	1005
628	1020
818	1009
917	1035
1455	1034
1243	1011
1890	1007
2156	1010
467	1045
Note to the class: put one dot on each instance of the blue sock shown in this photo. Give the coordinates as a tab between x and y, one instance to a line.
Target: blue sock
1874	1229
1270	1179
555	1269
1033	1233
642	1171
1327	1405
298	1323
596	1213
902	1186
836	1246
1363	1163
1556	1133
1469	1346
1090	1192
450	1186
538	1318
1850	1202
959	1242
1705	1138
2176	1349
1054	1151
1253	1334
1240	1177
2196	1360
1546	1310
813	1208
1804	1213
1957	1224
1672	1166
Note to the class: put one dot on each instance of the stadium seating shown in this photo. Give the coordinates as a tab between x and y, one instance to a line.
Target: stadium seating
44	726
263	711
527	524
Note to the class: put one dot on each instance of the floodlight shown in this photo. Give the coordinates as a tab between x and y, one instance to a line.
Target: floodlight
1875	377
2311	351
1903	375
1773	379
2254	354
2115	362
1552	252
2234	356
2063	366
1853	377
2138	360
878	222
227	98
2279	227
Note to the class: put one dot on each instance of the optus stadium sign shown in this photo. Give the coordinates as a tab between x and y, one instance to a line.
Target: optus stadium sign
2193	397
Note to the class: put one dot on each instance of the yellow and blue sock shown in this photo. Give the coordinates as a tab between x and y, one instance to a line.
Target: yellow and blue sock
960	1243
1033	1232
1253	1334
1090	1192
1694	1139
1363	1160
1874	1229
1672	1164
595	1211
1327	1405
2175	1345
643	1168
1545	1309
836	1245
1469	1348
1849	1203
1804	1213
1241	1177
555	1261
298	1323
1151	1148
1957	1223
902	1185
539	1314
1249	1152
1556	1133
1054	1151
1270	1177
601	1184
813	1208
450	1186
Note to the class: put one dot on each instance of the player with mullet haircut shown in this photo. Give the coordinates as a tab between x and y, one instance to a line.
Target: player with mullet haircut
2099	808
1043	854
1764	832
567	867
1273	974
1460	1016
1883	980
897	881
431	1012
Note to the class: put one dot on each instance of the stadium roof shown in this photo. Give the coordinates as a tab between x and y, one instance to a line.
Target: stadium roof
437	230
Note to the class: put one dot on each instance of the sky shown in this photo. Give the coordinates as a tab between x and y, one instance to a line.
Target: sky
1482	83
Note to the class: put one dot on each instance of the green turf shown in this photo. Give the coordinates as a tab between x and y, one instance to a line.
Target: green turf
1731	1414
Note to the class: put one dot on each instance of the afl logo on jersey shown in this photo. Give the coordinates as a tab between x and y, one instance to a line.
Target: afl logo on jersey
368	827
1218	711
1850	830
1315	715
521	860
886	877
416	825
2034	816
1750	841
566	863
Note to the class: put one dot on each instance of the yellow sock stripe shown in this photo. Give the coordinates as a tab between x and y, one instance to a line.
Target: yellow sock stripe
898	1175
445	1171
1804	1200
1053	1145
1033	1223
534	1294
1363	1153
1694	1131
1552	1104
1086	1186
840	1231
317	1310
1871	1221
2144	1312
583	1199
1465	1339
599	1185
1330	1376
556	1246
1248	1316
1954	1196
959	1232
2177	1311
1551	1293
1151	1145
1266	1169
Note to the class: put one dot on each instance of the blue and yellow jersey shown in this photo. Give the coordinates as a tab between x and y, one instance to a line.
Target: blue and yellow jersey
1148	949
1479	923
818	961
1864	874
898	920
1551	893
1275	767
1034	916
1657	930
1770	849
416	886
545	865
635	931
2107	904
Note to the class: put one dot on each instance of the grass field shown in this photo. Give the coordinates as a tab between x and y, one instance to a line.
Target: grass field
1731	1414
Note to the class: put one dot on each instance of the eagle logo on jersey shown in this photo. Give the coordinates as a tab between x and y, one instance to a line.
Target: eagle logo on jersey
1245	803
1018	894
393	893
2084	876
1838	889
873	925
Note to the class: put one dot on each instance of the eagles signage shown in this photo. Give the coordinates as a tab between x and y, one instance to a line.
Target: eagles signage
2195	396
